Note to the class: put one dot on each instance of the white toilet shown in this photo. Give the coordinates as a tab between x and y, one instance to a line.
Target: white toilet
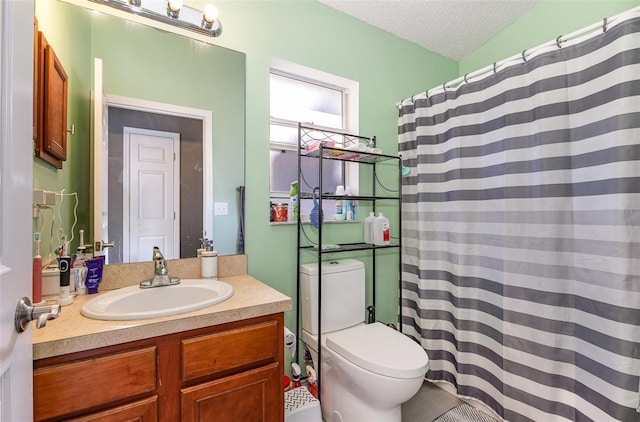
368	370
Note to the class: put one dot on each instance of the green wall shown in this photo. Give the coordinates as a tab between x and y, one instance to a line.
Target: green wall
75	174
544	22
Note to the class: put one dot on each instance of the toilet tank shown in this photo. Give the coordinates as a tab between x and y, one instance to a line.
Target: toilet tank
343	295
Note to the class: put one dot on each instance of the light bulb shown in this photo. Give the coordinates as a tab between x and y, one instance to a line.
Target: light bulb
175	5
173	8
210	13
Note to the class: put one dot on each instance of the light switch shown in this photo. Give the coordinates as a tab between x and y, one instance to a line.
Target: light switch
220	208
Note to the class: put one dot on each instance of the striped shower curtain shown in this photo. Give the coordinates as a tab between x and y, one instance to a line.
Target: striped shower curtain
521	232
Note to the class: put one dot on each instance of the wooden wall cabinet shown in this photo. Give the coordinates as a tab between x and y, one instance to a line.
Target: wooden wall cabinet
229	372
49	103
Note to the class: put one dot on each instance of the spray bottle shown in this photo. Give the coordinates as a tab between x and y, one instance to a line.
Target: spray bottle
293	202
311	379
295	375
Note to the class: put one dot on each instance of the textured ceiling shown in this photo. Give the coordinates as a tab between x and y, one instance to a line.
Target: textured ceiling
452	28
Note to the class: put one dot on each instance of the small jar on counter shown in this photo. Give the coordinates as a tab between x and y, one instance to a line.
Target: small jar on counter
209	264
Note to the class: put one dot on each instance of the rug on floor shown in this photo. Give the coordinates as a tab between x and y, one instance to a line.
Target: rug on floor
464	413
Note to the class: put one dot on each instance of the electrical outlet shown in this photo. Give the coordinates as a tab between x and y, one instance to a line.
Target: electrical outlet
43	197
220	208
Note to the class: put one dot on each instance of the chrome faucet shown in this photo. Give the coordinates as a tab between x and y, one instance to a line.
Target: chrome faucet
161	273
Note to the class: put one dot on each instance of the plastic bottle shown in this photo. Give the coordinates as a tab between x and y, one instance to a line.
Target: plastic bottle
339	210
381	231
348	209
295	375
340	206
292	210
368	227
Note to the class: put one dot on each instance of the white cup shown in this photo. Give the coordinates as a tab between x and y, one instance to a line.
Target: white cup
340	190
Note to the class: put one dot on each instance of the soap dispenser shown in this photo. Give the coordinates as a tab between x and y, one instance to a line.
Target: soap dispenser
209	261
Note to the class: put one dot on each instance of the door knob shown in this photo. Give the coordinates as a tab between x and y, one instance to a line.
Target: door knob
25	313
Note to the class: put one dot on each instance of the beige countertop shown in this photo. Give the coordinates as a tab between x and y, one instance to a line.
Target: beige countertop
71	332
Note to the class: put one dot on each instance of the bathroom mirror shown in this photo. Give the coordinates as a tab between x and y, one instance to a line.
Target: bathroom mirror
145	65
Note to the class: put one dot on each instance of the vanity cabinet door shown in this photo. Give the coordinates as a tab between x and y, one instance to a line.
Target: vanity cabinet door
55	106
140	411
50	104
251	396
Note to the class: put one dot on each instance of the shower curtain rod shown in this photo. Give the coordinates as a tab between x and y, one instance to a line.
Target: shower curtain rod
574	37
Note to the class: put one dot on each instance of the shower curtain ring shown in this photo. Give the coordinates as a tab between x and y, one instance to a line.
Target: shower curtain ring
444	86
494	68
558	41
524	58
465	78
604	25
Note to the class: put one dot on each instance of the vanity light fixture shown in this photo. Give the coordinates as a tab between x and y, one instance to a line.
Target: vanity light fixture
172	12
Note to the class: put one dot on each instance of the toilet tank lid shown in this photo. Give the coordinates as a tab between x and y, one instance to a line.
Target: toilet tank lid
332	266
381	350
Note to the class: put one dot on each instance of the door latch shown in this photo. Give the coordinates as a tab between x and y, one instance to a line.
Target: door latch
25	313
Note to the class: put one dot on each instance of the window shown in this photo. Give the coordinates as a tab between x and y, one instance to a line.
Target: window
302	94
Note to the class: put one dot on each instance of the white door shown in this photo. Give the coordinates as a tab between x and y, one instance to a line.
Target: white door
16	167
151	202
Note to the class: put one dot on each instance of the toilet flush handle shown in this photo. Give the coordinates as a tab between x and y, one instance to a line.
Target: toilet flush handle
372	315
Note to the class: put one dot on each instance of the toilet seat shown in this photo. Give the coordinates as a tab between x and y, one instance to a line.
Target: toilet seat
380	349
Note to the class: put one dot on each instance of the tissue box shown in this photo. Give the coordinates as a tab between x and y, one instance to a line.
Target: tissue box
315	145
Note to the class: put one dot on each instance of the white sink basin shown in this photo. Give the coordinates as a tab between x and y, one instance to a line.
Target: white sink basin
133	302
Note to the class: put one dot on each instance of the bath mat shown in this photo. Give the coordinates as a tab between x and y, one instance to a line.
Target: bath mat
464	413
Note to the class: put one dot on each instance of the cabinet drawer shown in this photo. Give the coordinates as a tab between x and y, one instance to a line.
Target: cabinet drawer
212	353
71	387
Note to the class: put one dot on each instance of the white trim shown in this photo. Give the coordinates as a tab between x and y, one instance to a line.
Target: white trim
207	142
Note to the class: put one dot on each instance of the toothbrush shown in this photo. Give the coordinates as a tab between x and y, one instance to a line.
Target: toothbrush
36	277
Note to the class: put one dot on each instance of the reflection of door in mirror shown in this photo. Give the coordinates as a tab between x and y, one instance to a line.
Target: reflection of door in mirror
151	185
189	192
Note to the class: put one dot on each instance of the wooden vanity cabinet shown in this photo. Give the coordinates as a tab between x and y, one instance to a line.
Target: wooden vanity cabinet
228	372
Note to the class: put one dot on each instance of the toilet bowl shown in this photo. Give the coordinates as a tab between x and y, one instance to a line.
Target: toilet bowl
367	370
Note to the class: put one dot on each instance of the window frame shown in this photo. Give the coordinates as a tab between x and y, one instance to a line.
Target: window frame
350	122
